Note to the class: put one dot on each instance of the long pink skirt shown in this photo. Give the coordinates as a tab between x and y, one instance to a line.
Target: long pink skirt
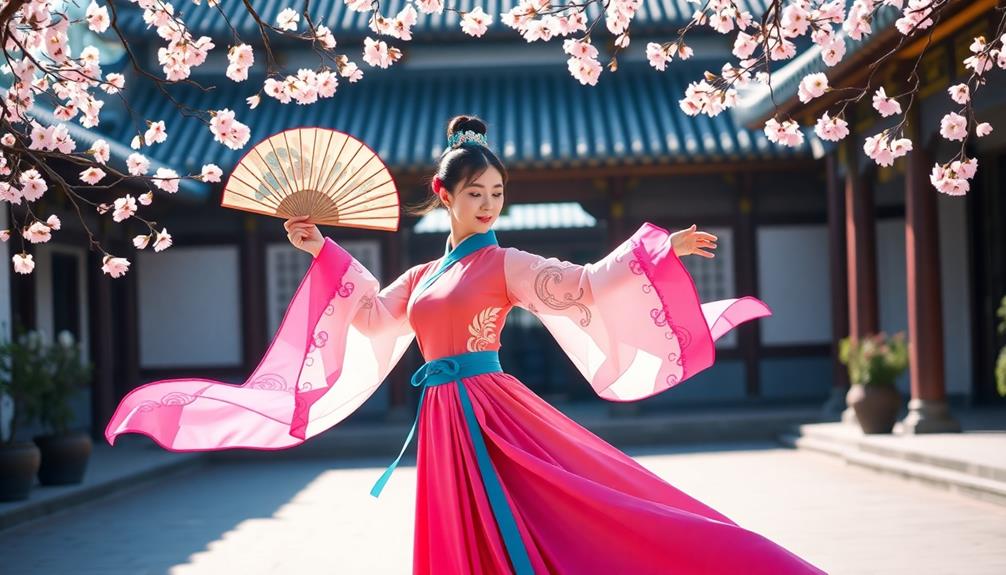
581	506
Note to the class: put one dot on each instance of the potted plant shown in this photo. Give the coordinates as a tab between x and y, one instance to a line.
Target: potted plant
19	375
874	362
64	375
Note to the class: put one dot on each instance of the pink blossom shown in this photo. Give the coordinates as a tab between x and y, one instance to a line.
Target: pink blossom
100	150
65	112
7	140
156	133
783	50
945	182
41	137
959	93
915	18
240	58
831	129
166	179
362	5
744	46
876	148
325	36
137	164
92	175
579	48
124	208
163	241
211	173
476	22
953	126
656	54
812	86
427	6
352	71
721	22
97	18
37	233
886	106
113	83
9	193
140	242
786	134
23	263
146	198
287	19
53	222
402	25
965	169
795	19
377	53
900	147
227	130
32	185
586	70
983	129
833	52
115	267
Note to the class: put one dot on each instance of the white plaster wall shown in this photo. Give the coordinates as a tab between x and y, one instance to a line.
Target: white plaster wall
189	307
794	279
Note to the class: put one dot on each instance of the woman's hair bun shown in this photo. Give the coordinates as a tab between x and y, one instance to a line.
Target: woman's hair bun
462	123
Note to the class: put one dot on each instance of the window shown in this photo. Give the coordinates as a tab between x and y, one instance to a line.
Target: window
714	278
286	266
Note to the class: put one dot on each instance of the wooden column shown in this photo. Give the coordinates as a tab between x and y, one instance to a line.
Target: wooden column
861	251
129	351
104	396
253	300
393	266
746	268
861	248
839	288
927	410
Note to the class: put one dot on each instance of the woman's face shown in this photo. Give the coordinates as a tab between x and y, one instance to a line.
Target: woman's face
476	205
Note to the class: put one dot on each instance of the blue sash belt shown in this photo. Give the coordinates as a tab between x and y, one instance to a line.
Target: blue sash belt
453	369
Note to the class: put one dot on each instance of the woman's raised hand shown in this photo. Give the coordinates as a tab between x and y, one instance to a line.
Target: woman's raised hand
303	235
692	241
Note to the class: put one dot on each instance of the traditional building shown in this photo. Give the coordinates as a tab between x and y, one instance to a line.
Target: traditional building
903	256
601	160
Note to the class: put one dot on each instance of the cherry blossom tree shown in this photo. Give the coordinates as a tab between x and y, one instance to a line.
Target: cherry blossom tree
49	86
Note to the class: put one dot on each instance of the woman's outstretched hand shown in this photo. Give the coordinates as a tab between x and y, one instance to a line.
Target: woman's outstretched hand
303	235
691	241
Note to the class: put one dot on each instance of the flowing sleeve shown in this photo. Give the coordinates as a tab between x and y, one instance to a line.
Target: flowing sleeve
631	323
340	337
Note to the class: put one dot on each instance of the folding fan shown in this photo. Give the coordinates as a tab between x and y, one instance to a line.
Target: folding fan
325	174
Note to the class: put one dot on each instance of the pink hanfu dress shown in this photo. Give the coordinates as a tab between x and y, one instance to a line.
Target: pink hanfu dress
631	323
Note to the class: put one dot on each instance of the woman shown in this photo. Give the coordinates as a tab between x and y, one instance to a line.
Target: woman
506	483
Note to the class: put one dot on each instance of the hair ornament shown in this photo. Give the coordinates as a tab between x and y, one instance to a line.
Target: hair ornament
458	139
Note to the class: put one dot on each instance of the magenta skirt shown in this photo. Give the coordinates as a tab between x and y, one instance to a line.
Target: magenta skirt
581	506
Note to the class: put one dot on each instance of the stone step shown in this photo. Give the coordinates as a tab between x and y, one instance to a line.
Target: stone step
939	472
894	446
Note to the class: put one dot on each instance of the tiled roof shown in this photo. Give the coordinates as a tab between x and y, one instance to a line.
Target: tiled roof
538	117
654	15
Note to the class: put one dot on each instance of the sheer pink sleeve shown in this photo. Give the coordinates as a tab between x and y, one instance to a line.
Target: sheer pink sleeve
632	323
339	339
